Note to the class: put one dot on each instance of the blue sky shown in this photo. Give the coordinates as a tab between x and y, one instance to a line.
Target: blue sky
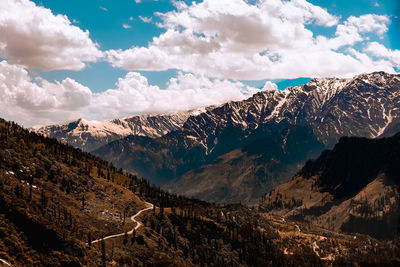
105	28
101	59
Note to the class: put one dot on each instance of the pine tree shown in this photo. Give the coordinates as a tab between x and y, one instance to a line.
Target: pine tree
103	252
89	240
125	241
83	201
43	200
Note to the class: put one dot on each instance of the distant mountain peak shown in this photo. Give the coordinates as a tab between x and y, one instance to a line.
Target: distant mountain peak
89	134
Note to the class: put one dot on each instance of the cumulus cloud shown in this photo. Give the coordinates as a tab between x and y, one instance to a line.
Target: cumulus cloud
268	40
134	95
33	36
37	101
126	26
270	86
379	50
353	30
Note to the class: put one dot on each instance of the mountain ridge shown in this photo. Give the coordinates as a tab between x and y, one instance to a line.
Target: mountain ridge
90	135
323	110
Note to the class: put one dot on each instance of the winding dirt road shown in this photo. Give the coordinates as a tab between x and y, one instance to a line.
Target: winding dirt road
2	261
133	218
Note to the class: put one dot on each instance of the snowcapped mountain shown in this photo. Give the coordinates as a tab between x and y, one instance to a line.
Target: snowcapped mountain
89	135
362	106
240	150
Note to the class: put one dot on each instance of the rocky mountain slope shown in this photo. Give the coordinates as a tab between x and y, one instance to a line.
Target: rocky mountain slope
352	188
274	132
89	135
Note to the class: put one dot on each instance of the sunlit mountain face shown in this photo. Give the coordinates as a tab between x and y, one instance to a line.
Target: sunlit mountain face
199	133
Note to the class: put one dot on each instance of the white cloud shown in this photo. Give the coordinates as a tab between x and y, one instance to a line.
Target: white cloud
103	8
131	18
268	40
379	50
134	95
37	101
369	23
353	29
126	26
269	86
33	36
146	19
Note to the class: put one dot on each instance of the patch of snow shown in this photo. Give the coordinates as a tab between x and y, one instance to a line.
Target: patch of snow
388	118
366	81
277	108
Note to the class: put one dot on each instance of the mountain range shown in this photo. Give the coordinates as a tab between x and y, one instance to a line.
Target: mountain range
238	151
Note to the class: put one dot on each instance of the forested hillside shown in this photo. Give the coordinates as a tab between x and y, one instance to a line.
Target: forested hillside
55	200
352	188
